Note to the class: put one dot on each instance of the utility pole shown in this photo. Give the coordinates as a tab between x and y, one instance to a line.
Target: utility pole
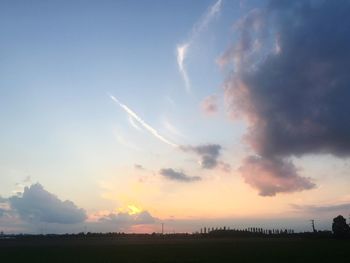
313	225
162	228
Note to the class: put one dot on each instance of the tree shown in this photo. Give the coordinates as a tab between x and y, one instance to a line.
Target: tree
340	228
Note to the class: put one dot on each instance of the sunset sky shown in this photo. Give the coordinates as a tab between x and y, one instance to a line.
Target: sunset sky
122	115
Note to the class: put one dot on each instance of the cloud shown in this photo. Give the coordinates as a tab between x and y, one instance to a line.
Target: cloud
138	166
4	206
146	126
22	184
317	209
181	55
126	143
208	154
204	21
133	123
126	219
26	213
172	129
225	167
251	31
38	205
182	49
178	175
272	176
2	199
209	105
293	90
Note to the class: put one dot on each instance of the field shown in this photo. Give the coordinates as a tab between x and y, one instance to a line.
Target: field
158	249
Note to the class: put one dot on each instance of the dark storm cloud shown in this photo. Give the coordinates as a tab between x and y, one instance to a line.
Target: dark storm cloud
291	83
208	154
37	204
297	98
178	175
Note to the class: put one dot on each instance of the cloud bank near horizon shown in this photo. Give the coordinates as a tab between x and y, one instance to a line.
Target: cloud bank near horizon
36	204
28	210
126	219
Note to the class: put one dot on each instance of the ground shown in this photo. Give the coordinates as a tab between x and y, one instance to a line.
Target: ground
282	250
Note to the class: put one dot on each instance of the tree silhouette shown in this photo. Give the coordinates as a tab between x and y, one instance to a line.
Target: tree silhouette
340	228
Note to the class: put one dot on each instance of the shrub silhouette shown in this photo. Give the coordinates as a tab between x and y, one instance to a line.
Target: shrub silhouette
340	228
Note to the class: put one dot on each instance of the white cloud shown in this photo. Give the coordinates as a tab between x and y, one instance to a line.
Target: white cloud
181	55
145	125
172	129
182	49
124	142
133	123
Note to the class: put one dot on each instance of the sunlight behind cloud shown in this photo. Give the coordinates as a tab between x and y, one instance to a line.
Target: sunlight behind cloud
133	209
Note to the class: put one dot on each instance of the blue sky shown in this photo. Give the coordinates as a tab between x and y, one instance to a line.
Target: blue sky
61	61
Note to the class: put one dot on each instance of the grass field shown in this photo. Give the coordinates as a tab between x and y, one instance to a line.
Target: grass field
176	250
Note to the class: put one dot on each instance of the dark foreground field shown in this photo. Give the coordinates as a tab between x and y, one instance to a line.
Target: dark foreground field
176	250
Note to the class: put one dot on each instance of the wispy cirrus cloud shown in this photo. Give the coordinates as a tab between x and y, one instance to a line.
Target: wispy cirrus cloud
126	143
170	127
181	55
145	125
133	123
182	49
208	153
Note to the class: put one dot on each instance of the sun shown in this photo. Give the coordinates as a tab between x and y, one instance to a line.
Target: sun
133	210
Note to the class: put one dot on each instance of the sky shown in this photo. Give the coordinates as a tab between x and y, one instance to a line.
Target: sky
123	115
